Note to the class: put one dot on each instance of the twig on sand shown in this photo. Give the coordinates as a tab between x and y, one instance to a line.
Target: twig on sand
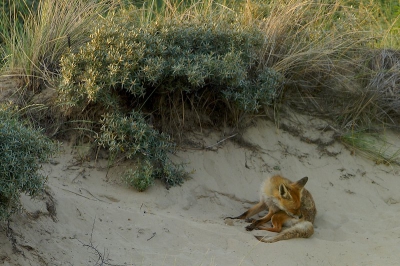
102	258
220	141
95	198
154	234
76	193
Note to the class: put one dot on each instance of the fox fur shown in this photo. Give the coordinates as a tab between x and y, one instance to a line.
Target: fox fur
289	204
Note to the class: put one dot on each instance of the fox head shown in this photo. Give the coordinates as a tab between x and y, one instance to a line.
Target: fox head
290	197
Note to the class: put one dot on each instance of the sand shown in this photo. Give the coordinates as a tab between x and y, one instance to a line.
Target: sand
99	220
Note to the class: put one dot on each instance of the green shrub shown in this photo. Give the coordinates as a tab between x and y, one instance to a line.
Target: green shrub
132	137
250	97
141	178
168	57
22	148
171	174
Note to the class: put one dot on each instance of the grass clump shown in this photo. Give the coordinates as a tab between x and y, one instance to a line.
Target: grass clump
373	146
22	149
132	137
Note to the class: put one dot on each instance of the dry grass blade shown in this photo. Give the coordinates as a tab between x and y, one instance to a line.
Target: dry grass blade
36	47
328	65
373	146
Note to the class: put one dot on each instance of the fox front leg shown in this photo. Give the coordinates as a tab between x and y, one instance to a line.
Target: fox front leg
250	212
277	221
255	224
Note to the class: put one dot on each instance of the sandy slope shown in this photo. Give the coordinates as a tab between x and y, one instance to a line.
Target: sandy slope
357	221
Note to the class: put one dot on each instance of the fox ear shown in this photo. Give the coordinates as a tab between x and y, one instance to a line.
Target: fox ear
302	182
283	191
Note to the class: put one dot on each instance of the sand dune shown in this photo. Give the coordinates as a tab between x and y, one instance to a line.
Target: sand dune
357	201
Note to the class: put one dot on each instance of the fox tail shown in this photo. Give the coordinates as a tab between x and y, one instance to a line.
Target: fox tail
303	229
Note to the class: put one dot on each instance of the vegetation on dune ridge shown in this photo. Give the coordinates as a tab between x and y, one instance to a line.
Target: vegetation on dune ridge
130	65
136	73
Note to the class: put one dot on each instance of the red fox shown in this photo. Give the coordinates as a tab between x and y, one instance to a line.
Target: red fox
289	204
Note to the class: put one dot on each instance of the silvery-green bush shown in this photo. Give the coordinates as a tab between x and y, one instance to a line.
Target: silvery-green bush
22	149
130	136
168	57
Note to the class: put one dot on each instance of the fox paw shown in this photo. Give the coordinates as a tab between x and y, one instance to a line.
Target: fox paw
249	220
250	227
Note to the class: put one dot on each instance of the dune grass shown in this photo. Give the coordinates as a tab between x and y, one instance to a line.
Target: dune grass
33	44
374	146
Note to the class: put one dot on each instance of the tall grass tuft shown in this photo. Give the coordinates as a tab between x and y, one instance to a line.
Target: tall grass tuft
327	53
373	146
33	48
337	62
